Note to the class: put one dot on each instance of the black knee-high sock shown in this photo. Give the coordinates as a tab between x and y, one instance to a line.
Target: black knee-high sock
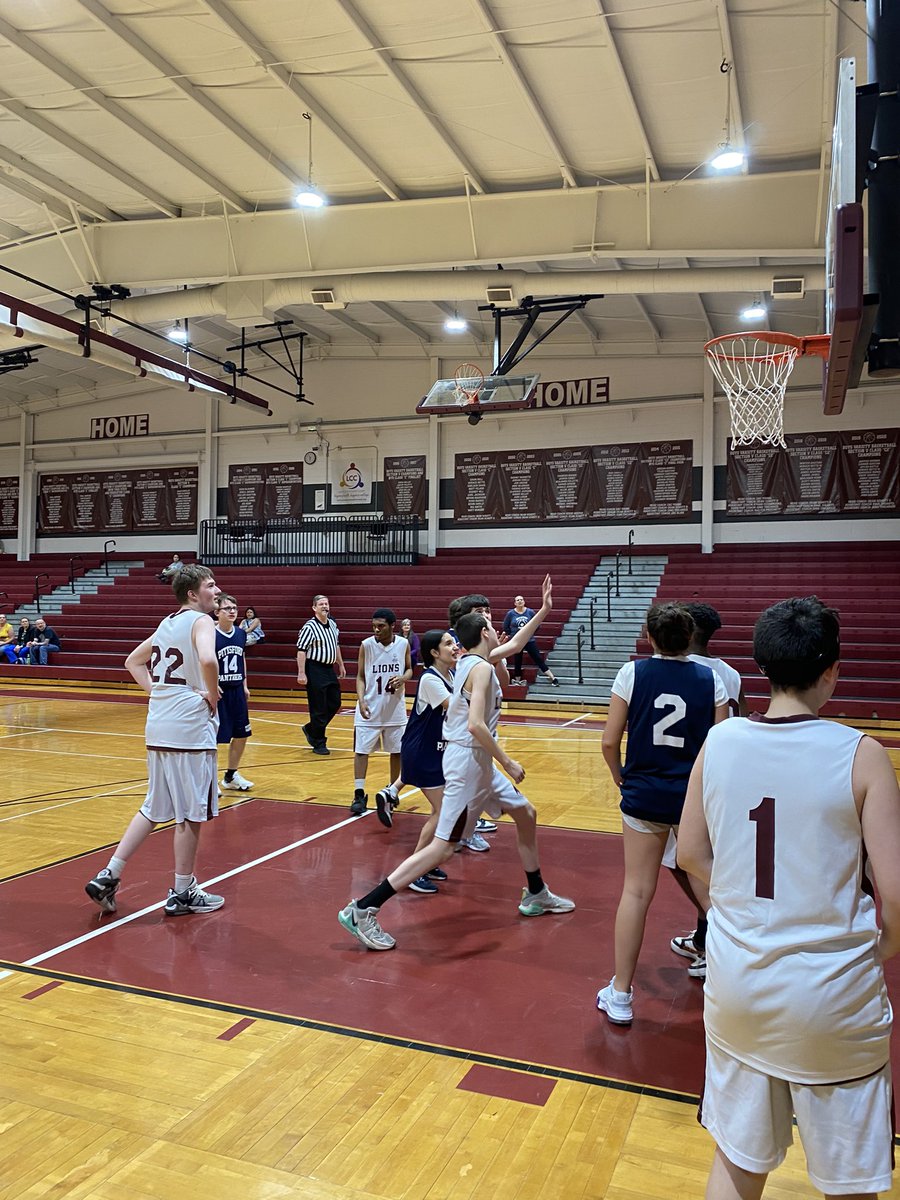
700	935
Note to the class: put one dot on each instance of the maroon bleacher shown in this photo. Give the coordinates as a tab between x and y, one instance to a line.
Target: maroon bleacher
861	580
99	632
17	578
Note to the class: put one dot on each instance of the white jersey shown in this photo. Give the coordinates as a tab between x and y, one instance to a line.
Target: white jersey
456	722
792	986
178	717
381	663
729	676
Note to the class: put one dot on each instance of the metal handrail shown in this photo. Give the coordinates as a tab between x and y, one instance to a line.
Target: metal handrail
593	602
75	558
578	651
37	585
609	597
630	546
337	539
106	545
618	556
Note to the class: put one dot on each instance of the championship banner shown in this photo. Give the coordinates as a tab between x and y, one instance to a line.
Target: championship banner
9	506
145	501
404	486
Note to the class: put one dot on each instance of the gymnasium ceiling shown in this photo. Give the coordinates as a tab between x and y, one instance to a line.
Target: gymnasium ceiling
158	144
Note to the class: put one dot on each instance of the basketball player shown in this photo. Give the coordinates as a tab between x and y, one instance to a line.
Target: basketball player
472	782
422	748
234	719
669	705
383	667
177	669
389	797
781	814
706	622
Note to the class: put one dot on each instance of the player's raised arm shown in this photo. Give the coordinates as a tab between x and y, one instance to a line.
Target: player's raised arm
521	639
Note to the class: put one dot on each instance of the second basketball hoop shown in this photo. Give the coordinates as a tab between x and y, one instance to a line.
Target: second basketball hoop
753	369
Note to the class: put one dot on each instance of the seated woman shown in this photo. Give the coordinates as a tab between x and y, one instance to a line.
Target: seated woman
252	626
24	635
415	644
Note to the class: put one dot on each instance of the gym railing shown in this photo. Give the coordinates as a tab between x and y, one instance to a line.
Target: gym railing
352	540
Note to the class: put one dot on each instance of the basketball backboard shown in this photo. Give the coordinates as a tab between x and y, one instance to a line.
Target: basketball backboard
848	319
498	393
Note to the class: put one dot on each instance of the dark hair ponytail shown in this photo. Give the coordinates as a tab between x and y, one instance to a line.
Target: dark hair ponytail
671	626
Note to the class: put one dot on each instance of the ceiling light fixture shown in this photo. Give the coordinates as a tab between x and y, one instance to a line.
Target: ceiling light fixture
456	323
728	157
178	333
756	311
310	196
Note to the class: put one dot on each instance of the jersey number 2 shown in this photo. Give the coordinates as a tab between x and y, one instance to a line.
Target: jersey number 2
679	709
174	659
763	816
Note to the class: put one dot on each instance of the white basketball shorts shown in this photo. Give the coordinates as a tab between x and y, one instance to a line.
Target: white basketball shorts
846	1128
369	738
473	784
182	786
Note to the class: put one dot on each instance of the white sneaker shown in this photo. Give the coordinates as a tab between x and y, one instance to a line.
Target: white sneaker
192	900
618	1006
476	843
238	783
537	903
483	825
362	923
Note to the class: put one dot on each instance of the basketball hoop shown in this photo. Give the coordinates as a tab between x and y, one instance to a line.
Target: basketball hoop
469	380
753	369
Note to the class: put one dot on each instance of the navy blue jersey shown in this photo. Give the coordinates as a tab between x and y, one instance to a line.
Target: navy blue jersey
672	708
422	748
230	657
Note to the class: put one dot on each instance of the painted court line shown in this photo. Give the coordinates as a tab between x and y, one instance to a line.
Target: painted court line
28	731
95	933
81	800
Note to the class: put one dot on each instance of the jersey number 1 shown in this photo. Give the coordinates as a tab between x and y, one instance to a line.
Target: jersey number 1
763	817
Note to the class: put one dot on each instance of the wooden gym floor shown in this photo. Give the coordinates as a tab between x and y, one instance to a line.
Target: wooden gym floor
260	1052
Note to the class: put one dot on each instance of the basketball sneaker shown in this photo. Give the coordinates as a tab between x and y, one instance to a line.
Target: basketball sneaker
102	889
697	969
359	803
304	729
384	806
535	904
686	946
362	923
618	1006
482	825
237	783
437	873
475	843
192	900
424	885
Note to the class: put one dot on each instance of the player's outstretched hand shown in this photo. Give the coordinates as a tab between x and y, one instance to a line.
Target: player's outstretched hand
547	593
515	771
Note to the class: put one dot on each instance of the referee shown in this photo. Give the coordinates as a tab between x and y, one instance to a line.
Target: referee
318	654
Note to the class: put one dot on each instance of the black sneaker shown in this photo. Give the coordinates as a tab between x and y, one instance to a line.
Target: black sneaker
102	890
437	873
360	802
384	807
305	731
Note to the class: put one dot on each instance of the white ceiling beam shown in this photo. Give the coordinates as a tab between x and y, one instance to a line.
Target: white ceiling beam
12	232
58	187
705	219
261	54
534	105
83	150
418	102
93	93
731	80
314	331
177	79
628	91
356	326
474	331
589	325
22	187
421	333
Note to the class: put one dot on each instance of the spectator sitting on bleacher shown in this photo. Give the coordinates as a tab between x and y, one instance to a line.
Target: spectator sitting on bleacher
7	639
44	640
21	645
165	575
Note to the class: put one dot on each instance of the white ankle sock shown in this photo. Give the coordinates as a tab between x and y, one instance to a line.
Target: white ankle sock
116	866
183	882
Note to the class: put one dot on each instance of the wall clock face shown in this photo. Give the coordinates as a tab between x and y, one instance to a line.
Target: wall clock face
309	457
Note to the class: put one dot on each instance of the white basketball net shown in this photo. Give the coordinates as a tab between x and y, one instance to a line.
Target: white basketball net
469	382
754	375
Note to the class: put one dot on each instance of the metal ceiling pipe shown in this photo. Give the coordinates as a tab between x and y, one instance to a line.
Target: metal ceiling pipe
465	285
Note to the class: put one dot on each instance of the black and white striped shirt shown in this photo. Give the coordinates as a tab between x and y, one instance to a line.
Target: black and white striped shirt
319	641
